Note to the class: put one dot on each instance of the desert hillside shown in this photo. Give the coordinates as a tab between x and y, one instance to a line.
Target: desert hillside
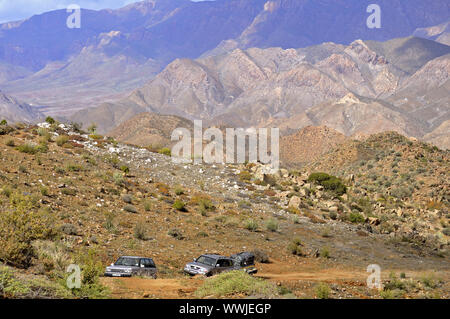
67	196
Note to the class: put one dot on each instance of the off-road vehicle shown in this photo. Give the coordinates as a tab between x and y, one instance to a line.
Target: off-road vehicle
128	266
245	261
209	265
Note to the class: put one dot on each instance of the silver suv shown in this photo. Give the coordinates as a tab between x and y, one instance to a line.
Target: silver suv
128	266
209	265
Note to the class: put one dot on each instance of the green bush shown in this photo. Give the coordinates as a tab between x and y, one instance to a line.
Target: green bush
272	225
330	183
355	217
179	205
3	122
179	191
236	283
28	148
251	225
325	252
50	120
165	151
20	227
61	140
10	287
125	169
322	291
295	247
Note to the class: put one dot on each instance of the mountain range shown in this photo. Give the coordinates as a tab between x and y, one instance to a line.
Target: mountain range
363	88
233	62
115	51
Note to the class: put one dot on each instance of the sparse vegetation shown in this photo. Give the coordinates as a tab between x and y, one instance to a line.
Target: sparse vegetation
236	283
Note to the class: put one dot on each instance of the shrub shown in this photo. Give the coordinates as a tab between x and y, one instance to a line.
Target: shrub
325	252
3	122
430	281
272	225
92	128
330	183
69	229
109	223
251	225
28	148
295	247
322	291
50	120
179	191
91	270
44	191
10	287
356	217
10	143
20	227
165	151
69	191
61	140
118	179
179	205
125	169
175	233
401	192
245	176
147	206
236	283
140	232
71	167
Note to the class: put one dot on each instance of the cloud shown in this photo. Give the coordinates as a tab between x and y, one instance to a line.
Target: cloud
11	10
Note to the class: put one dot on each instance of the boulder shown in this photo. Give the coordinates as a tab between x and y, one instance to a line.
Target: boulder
295	202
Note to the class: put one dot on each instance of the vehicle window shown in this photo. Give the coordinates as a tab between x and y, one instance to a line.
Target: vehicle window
207	261
224	263
125	261
148	263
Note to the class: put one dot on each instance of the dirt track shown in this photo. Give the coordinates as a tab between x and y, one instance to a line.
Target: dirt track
302	277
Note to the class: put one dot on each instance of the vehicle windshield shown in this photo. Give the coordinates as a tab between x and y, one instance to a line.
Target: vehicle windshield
206	261
124	261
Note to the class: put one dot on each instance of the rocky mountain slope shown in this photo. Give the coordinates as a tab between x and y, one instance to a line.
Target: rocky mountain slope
149	130
366	87
308	144
13	110
439	33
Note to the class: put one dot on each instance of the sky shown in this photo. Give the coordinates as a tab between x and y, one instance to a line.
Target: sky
13	10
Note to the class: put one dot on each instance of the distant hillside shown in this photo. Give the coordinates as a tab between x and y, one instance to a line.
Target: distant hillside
149	129
439	33
13	110
308	144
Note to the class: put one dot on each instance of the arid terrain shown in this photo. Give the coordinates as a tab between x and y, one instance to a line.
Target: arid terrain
94	199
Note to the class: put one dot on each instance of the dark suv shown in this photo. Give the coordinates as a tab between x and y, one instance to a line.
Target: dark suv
209	265
128	266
